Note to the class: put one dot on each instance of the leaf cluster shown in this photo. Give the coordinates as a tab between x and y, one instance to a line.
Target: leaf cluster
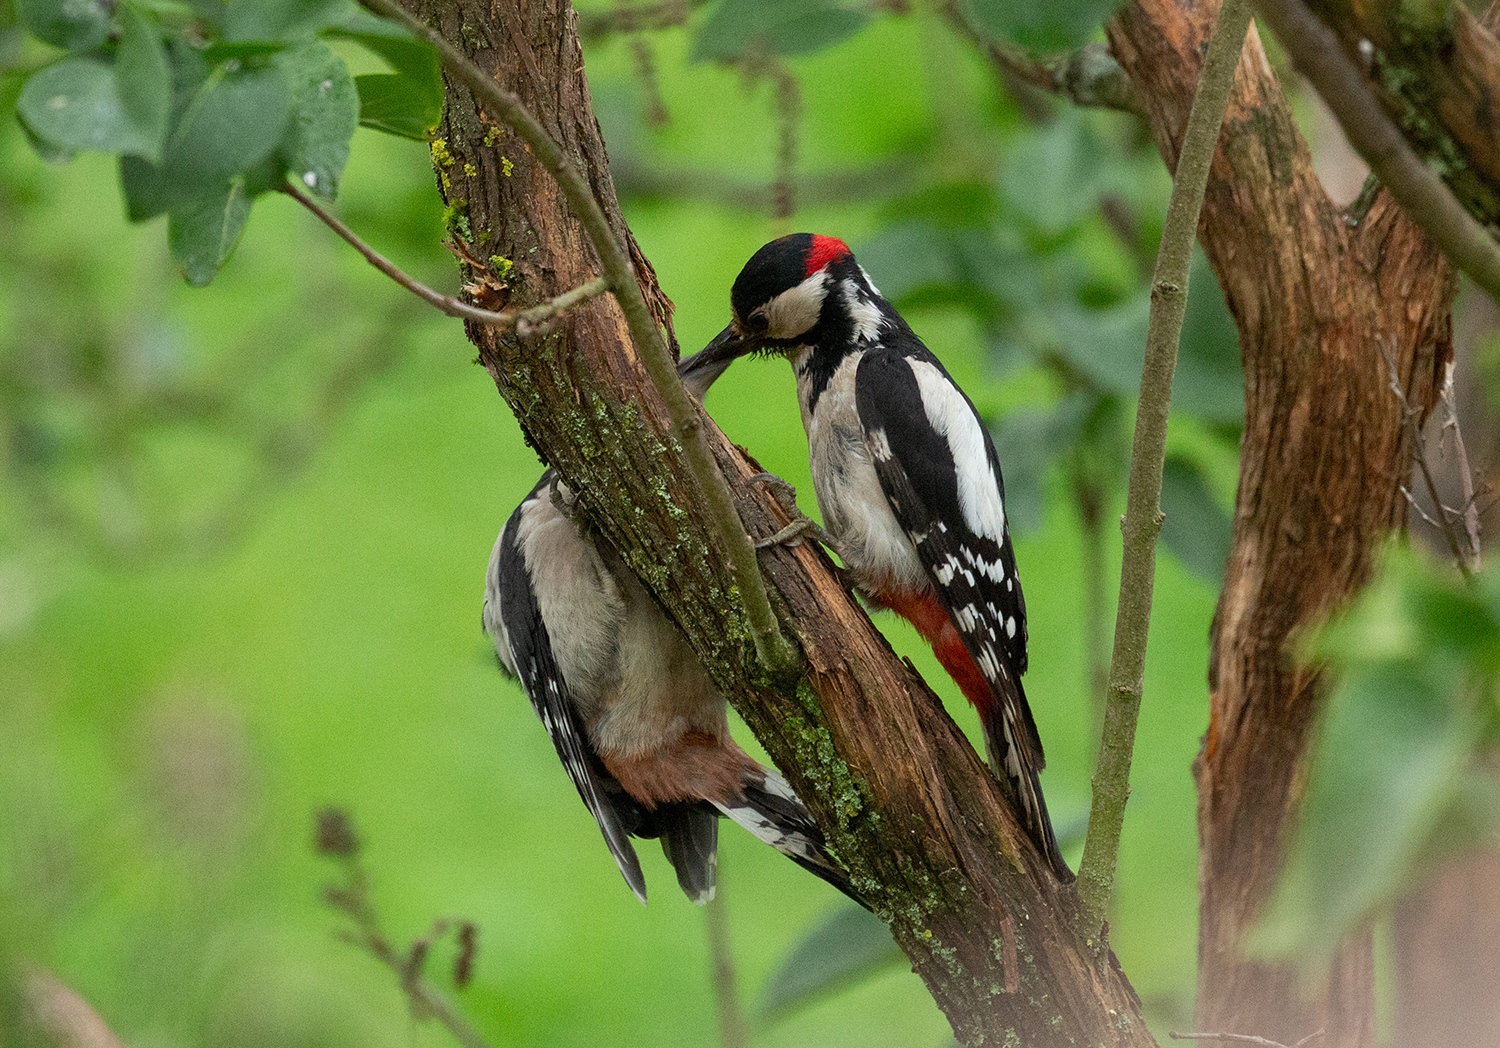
1401	772
209	104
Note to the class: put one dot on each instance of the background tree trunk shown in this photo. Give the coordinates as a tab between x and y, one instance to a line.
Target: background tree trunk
1315	295
904	799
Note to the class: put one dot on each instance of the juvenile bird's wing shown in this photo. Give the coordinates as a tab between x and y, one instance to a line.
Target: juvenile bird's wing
513	617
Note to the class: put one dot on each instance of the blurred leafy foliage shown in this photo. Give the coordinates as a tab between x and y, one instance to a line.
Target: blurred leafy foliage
210	104
327	649
1402	773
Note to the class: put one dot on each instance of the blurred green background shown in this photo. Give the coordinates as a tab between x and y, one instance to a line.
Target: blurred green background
243	533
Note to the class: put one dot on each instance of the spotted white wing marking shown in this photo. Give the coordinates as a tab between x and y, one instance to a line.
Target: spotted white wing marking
773	812
525	645
942	481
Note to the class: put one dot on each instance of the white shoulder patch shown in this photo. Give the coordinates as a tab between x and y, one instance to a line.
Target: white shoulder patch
953	418
862	310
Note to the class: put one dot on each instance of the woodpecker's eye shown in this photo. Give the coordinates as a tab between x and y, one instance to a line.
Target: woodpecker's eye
757	323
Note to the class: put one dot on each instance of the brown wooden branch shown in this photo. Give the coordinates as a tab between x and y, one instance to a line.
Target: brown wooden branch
1324	455
906	803
1436	70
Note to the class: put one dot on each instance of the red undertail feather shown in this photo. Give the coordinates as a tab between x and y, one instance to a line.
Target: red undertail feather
930	618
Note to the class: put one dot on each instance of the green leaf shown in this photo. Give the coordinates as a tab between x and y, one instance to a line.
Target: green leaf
77	105
1050	177
78	25
1053	26
231	122
397	105
144	76
782	27
407	102
1391	762
849	946
201	234
1209	381
1108	346
1196	528
325	111
243	20
1399	773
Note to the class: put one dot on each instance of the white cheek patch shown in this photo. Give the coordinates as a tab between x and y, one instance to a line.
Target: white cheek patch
796	309
950	415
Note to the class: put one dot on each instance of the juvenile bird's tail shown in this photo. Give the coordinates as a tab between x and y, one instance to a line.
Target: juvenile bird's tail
770	810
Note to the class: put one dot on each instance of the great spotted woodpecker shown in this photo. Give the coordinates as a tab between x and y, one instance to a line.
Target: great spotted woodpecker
642	732
908	484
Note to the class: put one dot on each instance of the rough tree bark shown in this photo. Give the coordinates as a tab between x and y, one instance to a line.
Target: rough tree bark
1324	453
905	801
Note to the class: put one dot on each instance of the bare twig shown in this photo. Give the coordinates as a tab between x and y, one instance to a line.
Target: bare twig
523	320
595	24
1169	289
771	648
1411	419
1470	508
1088	77
1243	1038
337	840
645	71
726	996
788	116
1317	54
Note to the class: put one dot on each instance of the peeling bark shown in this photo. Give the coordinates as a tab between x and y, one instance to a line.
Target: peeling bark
1323	456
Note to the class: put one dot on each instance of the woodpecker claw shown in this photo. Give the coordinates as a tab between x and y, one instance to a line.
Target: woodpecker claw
801	524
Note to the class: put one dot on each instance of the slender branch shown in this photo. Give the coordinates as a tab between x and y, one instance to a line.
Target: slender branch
1465	475
1088	77
726	997
1169	288
1411	419
1243	1038
1318	55
522	320
595	24
724	522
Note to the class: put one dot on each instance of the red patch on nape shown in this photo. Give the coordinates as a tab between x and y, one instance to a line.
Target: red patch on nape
825	250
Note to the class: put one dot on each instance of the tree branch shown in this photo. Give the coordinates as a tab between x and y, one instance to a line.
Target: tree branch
771	647
1169	289
1318	55
519	319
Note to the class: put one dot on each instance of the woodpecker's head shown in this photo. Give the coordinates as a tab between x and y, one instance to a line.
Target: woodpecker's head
802	290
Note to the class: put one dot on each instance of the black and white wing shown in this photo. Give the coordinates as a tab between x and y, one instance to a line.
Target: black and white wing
939	472
513	618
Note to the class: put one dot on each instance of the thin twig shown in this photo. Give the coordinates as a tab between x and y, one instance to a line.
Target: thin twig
1465	475
1088	77
726	996
1318	55
595	24
1410	418
1242	1038
523	320
788	115
723	520
1169	289
337	840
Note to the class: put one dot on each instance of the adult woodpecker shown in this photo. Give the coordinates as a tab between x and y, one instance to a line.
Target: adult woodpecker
642	732
908	484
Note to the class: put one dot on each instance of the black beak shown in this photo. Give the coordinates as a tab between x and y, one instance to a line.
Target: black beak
699	371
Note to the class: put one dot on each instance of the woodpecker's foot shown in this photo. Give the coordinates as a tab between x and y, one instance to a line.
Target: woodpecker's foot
562	496
801	524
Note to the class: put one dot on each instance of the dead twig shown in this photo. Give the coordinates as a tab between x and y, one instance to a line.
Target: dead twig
1243	1038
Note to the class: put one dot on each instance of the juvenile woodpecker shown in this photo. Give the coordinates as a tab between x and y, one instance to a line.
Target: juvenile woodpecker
908	484
642	732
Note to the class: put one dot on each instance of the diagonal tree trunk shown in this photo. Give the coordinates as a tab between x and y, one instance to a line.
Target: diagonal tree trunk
900	793
1315	295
